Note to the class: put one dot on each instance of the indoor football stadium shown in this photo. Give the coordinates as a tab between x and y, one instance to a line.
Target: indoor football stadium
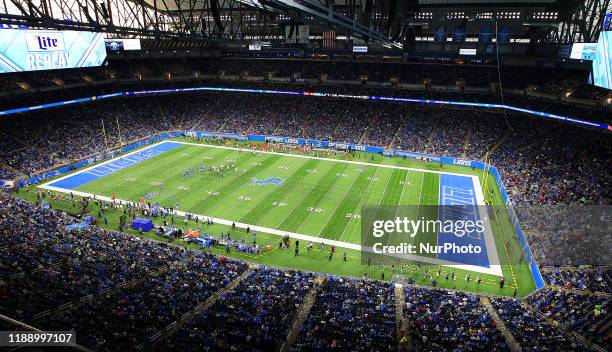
306	175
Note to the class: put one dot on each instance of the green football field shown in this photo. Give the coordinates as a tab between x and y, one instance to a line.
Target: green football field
321	198
321	195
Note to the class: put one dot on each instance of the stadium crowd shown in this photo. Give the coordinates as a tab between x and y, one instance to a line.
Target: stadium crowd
547	79
256	315
533	331
37	246
597	279
119	291
130	315
350	314
582	312
446	321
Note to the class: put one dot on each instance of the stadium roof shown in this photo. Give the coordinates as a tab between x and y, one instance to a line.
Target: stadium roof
387	22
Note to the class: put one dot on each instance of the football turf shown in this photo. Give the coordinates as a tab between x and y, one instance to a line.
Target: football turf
317	197
321	198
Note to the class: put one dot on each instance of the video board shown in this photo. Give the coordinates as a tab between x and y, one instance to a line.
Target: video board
602	63
583	51
36	50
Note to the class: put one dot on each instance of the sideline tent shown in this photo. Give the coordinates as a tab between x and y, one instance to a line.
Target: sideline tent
142	224
193	234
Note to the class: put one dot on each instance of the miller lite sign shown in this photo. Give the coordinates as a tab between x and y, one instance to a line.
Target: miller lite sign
45	41
47	51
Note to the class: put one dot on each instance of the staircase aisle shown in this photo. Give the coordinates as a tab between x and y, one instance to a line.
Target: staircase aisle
510	340
304	310
400	319
176	326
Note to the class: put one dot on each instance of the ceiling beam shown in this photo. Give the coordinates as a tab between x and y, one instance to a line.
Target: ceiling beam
329	15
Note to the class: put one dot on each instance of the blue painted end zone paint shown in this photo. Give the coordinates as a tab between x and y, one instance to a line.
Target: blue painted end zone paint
96	172
458	202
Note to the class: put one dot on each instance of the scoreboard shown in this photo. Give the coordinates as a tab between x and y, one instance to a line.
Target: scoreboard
602	63
35	50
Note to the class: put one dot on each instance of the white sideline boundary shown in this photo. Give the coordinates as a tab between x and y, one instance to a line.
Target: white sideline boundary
492	254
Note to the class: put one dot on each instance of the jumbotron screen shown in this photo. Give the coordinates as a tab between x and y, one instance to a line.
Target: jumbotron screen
583	51
35	50
602	63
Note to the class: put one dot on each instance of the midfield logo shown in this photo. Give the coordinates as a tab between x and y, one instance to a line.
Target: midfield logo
267	181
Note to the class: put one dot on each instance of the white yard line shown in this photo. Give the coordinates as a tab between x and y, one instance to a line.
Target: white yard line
316	205
218	200
360	200
402	193
270	193
334	160
421	191
384	190
399	205
263	152
295	207
419	196
321	200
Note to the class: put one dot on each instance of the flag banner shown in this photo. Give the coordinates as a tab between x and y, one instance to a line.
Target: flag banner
303	35
440	34
329	39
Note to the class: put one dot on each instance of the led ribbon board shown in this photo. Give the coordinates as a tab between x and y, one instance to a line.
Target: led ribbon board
316	94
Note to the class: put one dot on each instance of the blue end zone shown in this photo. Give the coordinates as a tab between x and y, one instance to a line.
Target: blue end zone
458	202
96	172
